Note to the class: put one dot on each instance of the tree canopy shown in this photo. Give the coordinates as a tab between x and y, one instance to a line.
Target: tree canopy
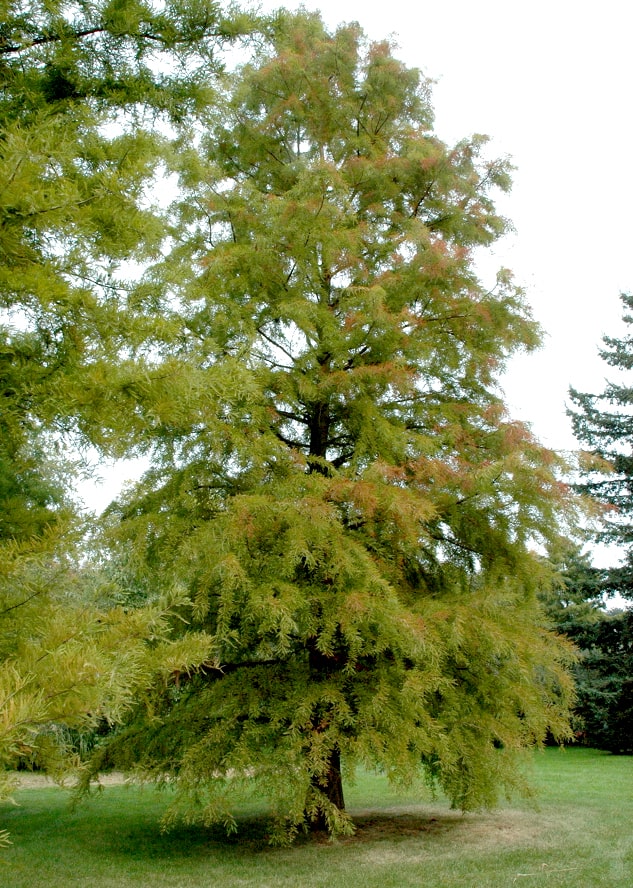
335	482
83	111
87	90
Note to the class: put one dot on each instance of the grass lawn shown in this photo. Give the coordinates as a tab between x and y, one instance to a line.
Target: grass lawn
580	837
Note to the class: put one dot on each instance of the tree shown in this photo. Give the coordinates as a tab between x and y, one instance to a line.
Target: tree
83	110
603	714
604	679
575	608
577	597
335	481
604	423
605	673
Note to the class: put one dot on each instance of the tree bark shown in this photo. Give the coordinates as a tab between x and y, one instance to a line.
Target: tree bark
319	430
333	789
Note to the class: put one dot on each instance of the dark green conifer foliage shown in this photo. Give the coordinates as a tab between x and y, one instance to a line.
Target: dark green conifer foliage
604	423
578	594
603	713
336	483
603	710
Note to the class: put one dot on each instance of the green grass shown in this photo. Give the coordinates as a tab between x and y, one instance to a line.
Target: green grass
579	836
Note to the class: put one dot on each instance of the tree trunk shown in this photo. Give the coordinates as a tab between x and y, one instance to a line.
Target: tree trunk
319	433
333	789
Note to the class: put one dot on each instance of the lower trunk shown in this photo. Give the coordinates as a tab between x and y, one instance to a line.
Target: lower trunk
332	787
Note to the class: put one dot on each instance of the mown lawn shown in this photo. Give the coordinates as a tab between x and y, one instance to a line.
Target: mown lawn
581	835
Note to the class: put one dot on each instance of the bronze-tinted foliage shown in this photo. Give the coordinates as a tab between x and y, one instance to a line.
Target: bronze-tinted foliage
336	482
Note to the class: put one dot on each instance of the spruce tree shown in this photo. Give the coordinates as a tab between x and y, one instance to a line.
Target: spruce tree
604	424
336	483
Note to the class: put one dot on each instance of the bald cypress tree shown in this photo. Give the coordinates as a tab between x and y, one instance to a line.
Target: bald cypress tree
335	480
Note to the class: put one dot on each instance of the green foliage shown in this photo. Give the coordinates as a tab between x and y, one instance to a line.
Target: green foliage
83	117
605	682
87	91
605	674
604	423
65	663
335	482
577	595
603	716
114	53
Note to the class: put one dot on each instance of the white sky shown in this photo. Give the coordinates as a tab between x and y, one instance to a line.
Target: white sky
550	82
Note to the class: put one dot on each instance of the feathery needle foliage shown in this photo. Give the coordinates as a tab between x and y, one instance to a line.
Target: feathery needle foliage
83	109
336	484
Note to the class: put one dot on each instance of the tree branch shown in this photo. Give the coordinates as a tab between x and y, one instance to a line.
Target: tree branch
52	38
7	610
275	344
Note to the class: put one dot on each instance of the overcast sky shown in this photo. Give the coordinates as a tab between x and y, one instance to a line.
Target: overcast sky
550	82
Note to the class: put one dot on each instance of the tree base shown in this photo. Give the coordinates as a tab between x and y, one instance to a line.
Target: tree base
332	788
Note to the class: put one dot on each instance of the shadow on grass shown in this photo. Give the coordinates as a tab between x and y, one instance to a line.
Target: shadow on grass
143	840
123	824
581	832
142	837
253	836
